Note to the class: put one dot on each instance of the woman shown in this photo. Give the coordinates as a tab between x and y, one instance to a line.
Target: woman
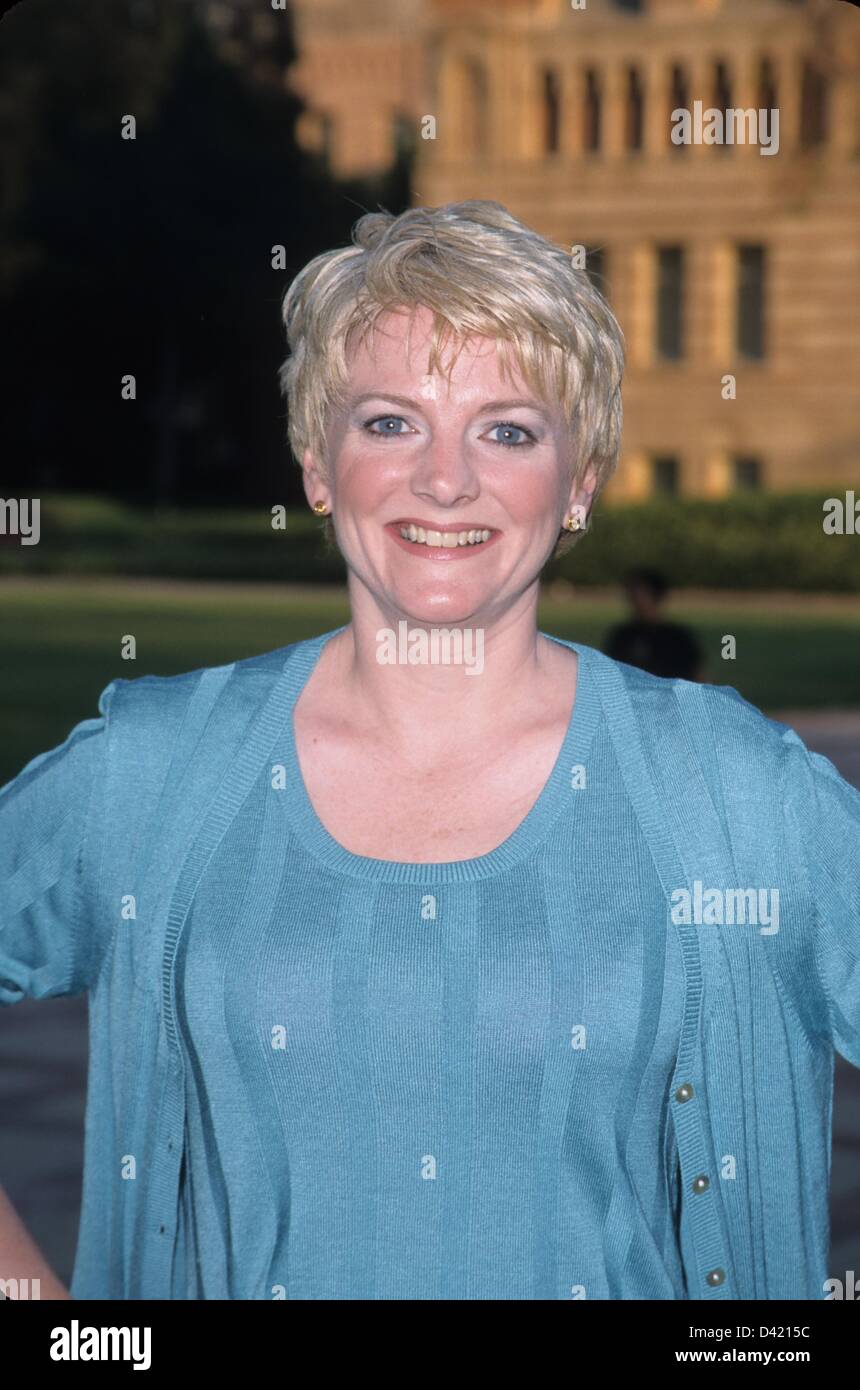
512	976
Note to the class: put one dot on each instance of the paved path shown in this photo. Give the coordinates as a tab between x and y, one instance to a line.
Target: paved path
43	1063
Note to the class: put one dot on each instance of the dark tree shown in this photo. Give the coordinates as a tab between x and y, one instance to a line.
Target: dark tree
152	256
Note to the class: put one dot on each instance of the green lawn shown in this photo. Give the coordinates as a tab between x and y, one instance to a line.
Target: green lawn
61	645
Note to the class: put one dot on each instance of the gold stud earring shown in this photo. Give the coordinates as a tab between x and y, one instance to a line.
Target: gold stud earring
320	508
575	523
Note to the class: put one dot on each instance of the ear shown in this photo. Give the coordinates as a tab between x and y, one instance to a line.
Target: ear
582	492
315	488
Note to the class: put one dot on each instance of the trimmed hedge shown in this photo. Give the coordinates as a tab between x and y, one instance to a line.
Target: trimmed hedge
748	541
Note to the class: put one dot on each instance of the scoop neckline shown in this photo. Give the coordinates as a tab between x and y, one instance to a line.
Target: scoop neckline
526	837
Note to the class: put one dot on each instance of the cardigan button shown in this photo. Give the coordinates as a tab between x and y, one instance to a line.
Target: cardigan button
684	1092
701	1183
715	1276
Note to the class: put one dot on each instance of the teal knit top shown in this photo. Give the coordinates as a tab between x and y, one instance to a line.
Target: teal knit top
526	1075
432	1081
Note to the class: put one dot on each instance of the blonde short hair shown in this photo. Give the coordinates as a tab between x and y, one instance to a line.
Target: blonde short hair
479	271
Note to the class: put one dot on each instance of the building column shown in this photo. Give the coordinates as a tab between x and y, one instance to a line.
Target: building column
656	76
634	483
521	112
613	87
620	292
571	134
700	75
722	294
698	300
843	135
717	479
640	279
745	97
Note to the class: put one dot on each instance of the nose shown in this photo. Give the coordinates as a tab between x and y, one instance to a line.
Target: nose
444	473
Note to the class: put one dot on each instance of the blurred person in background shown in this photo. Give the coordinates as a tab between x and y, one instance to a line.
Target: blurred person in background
650	641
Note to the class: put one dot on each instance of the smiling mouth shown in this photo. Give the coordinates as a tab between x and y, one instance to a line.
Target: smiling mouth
449	540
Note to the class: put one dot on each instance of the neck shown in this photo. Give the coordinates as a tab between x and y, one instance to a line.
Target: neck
496	668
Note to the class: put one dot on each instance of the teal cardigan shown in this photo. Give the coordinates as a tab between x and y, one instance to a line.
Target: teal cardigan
106	840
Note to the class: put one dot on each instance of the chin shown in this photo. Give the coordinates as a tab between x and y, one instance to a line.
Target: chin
435	612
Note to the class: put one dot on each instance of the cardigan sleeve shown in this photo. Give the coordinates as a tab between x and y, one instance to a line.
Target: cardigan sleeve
826	815
49	944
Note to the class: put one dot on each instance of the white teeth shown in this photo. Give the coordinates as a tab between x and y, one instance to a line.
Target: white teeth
449	539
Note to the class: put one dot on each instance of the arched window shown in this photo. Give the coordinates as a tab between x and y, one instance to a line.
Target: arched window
634	110
596	268
665	474
403	136
722	91
747	472
551	112
722	100
751	296
679	99
670	302
767	90
813	105
592	111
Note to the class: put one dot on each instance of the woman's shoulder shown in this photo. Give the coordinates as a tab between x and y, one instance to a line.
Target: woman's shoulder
138	703
661	704
753	763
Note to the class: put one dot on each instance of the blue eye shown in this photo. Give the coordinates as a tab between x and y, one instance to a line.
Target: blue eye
384	419
390	429
509	428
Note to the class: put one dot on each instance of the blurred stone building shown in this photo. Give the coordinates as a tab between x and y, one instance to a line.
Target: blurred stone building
720	260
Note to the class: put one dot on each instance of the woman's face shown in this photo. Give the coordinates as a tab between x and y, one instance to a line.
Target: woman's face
408	450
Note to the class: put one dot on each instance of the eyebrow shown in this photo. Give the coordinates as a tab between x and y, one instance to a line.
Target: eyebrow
509	404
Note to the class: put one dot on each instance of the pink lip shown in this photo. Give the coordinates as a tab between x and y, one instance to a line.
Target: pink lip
439	552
